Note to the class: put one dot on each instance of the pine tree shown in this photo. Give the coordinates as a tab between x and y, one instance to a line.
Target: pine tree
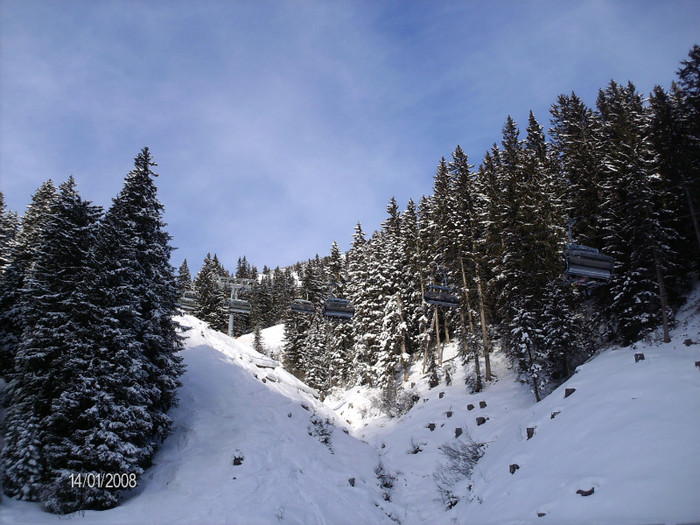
54	355
21	255
9	227
184	278
315	356
211	304
340	333
138	344
412	289
258	344
463	208
392	357
689	117
361	281
576	142
296	327
636	231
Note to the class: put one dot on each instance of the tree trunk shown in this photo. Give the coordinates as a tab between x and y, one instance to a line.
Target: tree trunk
662	296
534	378
426	331
484	328
477	366
691	209
447	331
437	333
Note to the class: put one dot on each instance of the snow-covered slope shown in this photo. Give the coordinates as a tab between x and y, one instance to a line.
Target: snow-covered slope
272	340
235	403
630	431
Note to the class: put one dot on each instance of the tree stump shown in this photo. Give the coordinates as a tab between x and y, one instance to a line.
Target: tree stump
441	395
458	432
514	467
448	413
568	392
471	407
480	420
586	492
482	404
697	363
431	426
638	357
530	432
352	482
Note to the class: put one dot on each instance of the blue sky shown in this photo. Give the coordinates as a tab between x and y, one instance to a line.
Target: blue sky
277	125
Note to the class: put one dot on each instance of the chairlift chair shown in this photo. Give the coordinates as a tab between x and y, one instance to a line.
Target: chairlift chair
188	300
585	263
302	306
336	308
441	296
239	306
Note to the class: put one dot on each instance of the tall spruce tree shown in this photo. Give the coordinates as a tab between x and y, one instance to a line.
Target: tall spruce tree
138	294
21	254
9	227
184	278
53	359
637	232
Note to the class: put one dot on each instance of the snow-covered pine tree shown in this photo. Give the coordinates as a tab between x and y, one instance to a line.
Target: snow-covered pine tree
184	278
637	232
463	204
10	284
575	129
296	327
138	294
413	280
53	356
211	304
315	356
392	358
21	255
9	227
258	344
689	118
674	164
341	334
358	275
261	302
530	259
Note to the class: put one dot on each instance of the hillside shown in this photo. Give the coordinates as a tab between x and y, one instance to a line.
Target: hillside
235	403
630	431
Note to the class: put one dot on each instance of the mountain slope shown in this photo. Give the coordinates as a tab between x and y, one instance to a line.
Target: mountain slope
630	431
286	473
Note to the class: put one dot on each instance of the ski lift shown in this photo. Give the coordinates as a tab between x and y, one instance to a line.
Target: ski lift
239	306
188	300
302	306
586	265
336	308
441	295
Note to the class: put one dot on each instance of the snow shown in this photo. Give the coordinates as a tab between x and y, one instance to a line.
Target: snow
226	410
630	431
